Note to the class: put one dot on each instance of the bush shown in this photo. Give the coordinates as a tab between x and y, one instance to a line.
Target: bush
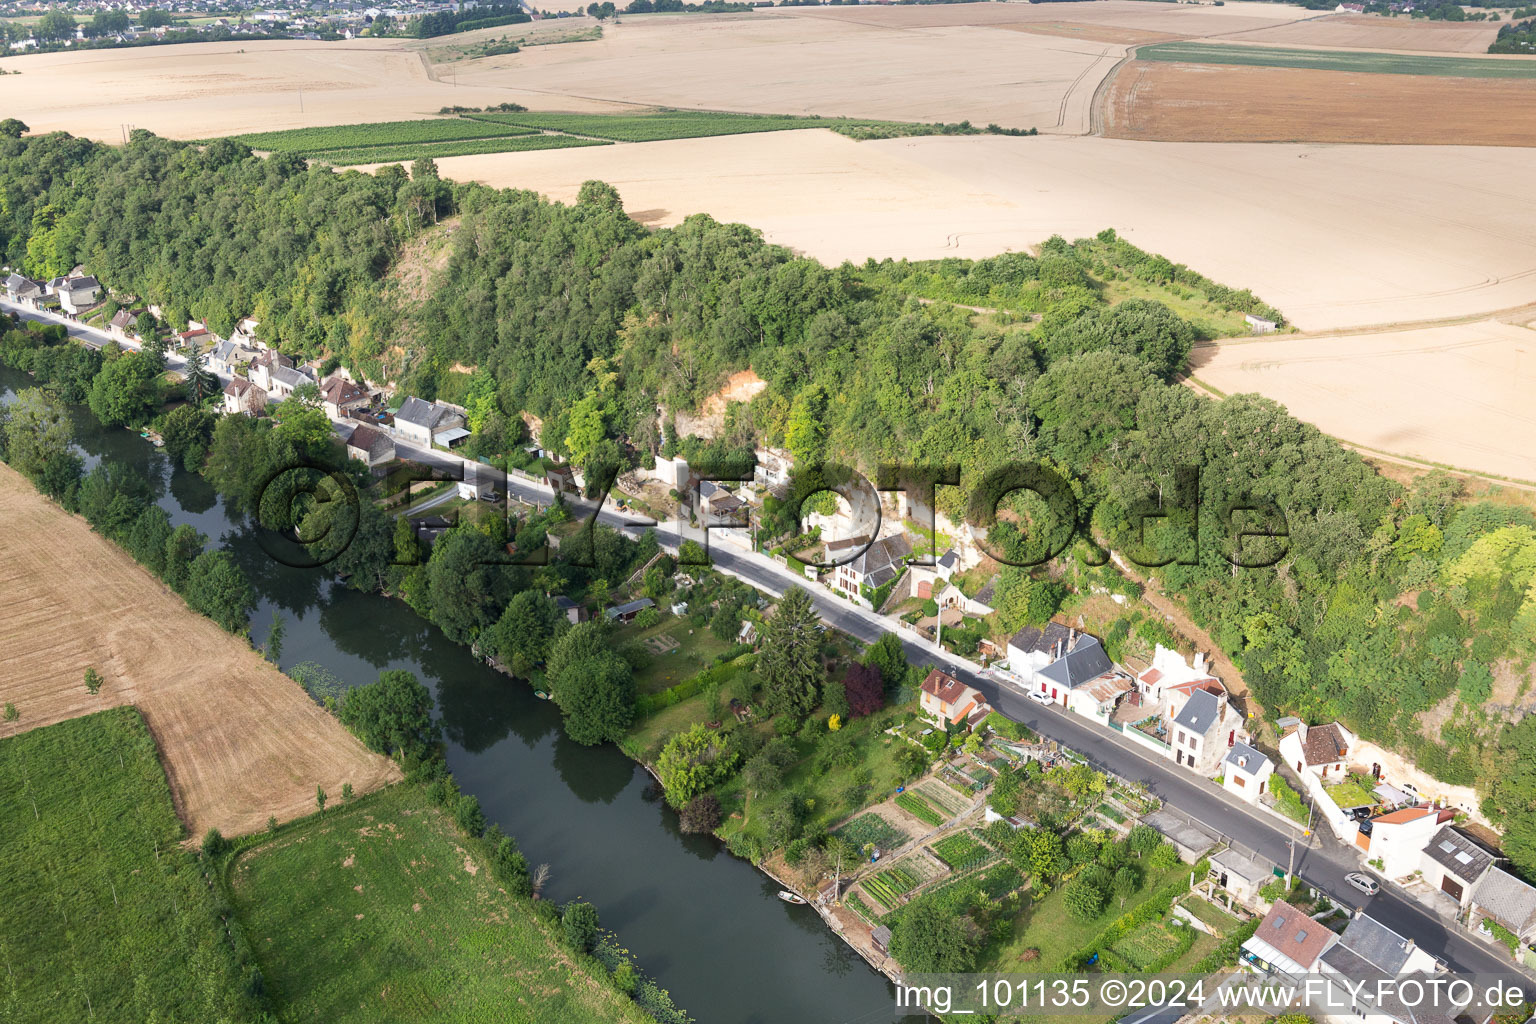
214	843
468	815
578	920
702	814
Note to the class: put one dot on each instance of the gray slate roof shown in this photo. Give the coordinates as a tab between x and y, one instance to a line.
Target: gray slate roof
289	376
1376	944
1507	900
949	560
1245	759
883	553
1084	662
1200	713
1458	854
420	413
1031	640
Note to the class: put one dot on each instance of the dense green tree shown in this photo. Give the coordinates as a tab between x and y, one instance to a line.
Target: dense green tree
930	938
789	664
520	639
56	24
38	435
184	545
126	391
692	762
217	587
392	715
187	431
592	684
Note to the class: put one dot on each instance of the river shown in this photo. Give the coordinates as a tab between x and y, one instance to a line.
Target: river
706	925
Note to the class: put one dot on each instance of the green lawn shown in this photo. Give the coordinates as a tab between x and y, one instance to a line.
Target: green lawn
1210	915
1146	944
690	654
1048	927
1337	60
374	911
1350	794
103	916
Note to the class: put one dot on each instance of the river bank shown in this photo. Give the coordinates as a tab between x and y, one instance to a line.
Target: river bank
707	926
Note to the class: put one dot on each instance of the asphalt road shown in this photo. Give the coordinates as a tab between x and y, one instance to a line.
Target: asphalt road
1320	860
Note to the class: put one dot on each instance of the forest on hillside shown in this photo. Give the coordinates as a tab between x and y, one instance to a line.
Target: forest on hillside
1389	600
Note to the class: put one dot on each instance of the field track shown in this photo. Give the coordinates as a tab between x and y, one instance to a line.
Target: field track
239	740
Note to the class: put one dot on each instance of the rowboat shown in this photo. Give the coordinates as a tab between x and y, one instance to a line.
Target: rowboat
789	897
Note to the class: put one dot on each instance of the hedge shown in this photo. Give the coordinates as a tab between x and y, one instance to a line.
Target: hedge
650	703
1150	909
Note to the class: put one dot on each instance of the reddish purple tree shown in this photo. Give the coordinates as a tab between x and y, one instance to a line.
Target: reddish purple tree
865	690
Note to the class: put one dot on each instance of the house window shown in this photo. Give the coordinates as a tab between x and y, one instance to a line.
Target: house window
1238	781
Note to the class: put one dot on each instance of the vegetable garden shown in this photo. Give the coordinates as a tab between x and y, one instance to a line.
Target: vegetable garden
919	808
871	828
962	851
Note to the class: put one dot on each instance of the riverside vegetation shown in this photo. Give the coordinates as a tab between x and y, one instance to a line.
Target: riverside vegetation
1391	599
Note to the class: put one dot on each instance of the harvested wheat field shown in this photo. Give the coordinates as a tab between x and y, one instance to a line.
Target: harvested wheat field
1171	102
1371	32
1457	395
239	740
1182	20
1451	236
195	90
768	63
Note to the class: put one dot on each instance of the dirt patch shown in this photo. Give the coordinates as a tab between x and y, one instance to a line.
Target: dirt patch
1167	102
239	740
470	865
742	386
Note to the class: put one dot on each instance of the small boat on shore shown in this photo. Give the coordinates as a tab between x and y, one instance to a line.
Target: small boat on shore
541	695
789	897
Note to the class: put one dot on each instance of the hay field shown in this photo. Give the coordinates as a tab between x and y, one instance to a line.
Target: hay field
1456	395
1370	32
1182	20
240	741
1301	225
1210	103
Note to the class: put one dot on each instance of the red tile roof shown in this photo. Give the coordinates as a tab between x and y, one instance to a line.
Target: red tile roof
1295	934
944	686
1403	815
1324	744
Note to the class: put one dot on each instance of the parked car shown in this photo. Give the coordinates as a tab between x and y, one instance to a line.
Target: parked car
1365	883
1039	698
1412	792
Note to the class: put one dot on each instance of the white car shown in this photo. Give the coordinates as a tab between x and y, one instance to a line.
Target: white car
1039	698
1365	883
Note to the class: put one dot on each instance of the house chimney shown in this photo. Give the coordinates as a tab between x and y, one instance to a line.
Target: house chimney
1301	731
1199	661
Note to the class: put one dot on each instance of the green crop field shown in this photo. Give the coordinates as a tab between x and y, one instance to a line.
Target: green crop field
919	808
382	133
689	124
1336	60
961	851
437	150
374	911
103	916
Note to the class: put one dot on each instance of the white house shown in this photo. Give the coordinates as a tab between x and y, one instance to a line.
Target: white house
339	396
1287	944
1204	730
241	396
1031	649
420	421
878	564
1083	680
948	700
1319	750
227	357
1246	772
78	294
1240	875
1394	843
22	289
